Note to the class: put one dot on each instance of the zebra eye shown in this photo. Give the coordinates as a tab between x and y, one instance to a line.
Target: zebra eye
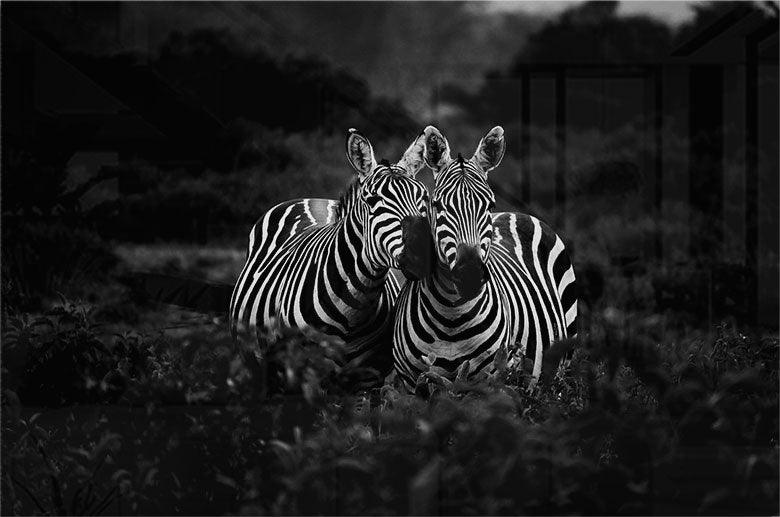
437	205
491	204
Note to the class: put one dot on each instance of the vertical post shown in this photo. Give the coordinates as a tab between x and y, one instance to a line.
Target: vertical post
706	163
525	136
751	174
658	123
560	148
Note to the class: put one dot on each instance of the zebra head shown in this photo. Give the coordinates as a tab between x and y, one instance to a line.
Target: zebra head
462	201
397	233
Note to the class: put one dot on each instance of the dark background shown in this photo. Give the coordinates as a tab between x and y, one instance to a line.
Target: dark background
643	140
140	142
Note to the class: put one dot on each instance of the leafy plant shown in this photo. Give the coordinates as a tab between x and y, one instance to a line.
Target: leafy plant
67	483
64	361
629	425
41	259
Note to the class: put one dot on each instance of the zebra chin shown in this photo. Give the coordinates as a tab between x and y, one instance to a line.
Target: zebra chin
412	270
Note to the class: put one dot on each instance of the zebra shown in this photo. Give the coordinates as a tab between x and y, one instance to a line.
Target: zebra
323	264
503	279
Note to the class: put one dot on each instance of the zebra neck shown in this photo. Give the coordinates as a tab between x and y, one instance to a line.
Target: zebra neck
444	295
352	277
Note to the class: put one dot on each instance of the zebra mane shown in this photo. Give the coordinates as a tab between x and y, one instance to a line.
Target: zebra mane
348	198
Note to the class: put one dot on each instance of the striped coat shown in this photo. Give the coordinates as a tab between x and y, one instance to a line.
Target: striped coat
503	280
325	265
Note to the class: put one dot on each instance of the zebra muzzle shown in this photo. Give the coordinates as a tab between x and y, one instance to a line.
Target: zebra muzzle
469	272
415	259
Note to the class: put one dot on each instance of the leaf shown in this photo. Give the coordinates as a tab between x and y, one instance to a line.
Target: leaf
79	451
500	363
108	441
284	452
40	433
747	381
13	408
352	464
149	478
463	371
713	498
225	480
424	489
119	474
428	382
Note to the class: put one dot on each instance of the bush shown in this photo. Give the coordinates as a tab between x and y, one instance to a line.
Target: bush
629	426
63	361
41	259
490	450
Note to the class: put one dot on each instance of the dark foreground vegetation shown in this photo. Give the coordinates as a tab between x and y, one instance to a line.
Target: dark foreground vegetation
130	423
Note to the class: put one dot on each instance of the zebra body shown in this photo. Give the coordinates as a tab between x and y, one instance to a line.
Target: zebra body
324	264
295	240
516	292
528	269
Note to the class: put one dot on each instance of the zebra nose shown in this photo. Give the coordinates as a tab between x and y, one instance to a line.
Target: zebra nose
469	272
415	259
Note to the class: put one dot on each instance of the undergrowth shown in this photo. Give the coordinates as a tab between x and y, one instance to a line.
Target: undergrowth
96	423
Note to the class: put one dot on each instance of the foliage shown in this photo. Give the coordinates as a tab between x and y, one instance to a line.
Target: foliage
592	32
48	243
278	94
304	362
638	422
41	259
269	166
65	485
21	196
608	440
62	360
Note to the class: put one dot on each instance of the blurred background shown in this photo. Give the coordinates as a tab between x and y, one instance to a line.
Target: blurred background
646	133
141	141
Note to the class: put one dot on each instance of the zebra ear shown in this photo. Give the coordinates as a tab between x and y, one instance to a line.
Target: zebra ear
412	160
491	149
437	149
360	153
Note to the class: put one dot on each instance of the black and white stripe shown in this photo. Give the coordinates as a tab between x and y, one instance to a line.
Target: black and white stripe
502	279
324	264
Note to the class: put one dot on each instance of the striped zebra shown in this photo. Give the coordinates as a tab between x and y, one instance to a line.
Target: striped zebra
503	279
324	264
